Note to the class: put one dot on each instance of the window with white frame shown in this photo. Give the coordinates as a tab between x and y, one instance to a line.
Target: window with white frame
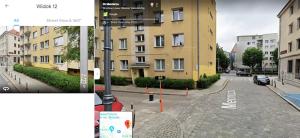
178	64
124	65
139	27
111	44
42	59
58	59
34	59
58	41
35	47
34	34
42	44
291	28
140	49
140	59
123	43
46	59
178	39
159	41
112	65
159	64
178	14
159	17
46	29
140	38
46	44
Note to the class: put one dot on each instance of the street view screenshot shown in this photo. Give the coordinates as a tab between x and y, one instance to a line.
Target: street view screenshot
150	68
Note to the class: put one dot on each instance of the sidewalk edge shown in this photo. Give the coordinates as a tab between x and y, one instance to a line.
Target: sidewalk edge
288	101
12	82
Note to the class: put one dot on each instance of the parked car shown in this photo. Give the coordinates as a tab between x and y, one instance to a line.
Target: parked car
99	107
243	72
261	80
227	71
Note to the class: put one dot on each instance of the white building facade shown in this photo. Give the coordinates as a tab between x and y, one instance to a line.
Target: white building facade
10	48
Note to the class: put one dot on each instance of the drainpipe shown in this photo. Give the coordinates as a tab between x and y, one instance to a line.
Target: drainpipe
198	41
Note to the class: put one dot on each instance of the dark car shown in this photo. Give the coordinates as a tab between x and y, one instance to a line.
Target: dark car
261	80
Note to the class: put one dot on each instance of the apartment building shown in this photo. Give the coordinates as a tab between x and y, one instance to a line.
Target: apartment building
44	46
266	42
9	48
289	43
182	47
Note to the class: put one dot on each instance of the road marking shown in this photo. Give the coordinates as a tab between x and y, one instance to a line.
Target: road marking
231	100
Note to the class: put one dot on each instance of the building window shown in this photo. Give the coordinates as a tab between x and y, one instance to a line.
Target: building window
58	41
266	53
34	59
96	43
298	43
248	43
15	45
178	39
112	65
42	59
290	46
46	44
58	59
46	29
298	22
159	41
124	64
123	44
42	45
290	66
140	59
253	37
178	14
15	52
159	17
34	47
140	49
46	59
139	38
139	27
159	64
34	34
272	41
291	28
266	41
292	10
178	64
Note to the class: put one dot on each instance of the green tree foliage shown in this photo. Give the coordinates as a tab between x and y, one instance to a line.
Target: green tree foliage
275	56
72	50
252	57
222	60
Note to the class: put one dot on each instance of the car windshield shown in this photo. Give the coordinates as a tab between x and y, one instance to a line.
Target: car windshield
98	98
261	76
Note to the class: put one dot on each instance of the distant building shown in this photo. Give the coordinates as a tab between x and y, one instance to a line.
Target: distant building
266	42
289	43
9	48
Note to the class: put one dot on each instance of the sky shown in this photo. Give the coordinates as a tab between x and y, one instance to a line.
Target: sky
246	17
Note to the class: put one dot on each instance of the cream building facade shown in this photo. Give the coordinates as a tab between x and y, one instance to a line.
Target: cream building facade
289	43
182	47
9	48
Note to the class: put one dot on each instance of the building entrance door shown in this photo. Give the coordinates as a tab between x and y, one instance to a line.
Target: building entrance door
141	73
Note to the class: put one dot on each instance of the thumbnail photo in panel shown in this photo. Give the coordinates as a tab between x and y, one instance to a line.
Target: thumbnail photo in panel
46	59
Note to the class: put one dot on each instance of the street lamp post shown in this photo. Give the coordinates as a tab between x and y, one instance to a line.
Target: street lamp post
108	97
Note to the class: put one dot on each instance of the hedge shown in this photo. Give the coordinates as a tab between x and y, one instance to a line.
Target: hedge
60	80
207	81
166	83
121	81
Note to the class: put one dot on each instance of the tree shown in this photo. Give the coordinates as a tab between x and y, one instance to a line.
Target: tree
252	57
275	56
72	50
222	60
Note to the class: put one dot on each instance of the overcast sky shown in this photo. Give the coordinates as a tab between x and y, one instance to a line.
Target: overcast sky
246	17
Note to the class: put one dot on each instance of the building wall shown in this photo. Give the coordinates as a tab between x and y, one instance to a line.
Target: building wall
188	51
10	48
287	54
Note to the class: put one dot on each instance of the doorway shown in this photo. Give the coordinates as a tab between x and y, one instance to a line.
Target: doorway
141	73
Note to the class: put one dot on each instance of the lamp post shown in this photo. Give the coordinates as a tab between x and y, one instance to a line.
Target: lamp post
108	97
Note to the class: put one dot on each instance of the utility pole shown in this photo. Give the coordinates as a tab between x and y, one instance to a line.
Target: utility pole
108	97
83	59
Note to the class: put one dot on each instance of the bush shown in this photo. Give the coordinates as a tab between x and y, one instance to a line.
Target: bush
206	81
60	80
167	83
121	81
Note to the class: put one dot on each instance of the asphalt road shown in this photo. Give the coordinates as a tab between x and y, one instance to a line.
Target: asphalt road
242	109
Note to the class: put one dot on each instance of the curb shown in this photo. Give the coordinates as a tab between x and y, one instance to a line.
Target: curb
157	93
288	101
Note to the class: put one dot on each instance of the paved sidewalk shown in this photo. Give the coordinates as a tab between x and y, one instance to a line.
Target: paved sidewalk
288	92
133	89
25	84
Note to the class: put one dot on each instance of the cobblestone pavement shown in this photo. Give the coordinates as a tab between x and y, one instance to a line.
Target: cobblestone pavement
259	113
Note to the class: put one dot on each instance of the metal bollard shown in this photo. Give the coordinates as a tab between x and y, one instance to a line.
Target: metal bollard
275	84
15	77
